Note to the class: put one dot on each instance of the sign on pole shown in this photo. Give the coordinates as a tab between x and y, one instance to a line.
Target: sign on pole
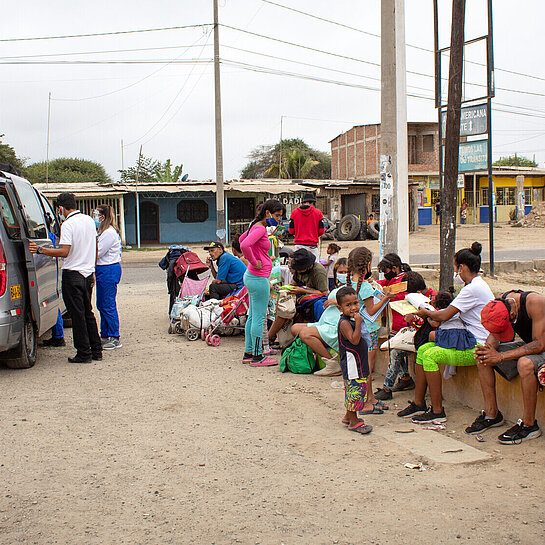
473	121
473	156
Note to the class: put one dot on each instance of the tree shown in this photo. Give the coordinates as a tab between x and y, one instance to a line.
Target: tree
146	175
165	174
299	160
8	155
514	161
67	170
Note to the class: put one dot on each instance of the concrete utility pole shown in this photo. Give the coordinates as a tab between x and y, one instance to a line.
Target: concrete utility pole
394	205
48	132
449	196
220	197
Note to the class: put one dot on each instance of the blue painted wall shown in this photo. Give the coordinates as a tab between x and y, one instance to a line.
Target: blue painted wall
171	229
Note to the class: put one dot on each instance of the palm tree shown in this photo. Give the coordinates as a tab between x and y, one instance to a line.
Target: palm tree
294	165
165	173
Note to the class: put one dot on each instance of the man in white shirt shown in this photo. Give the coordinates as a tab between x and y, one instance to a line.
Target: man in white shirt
78	247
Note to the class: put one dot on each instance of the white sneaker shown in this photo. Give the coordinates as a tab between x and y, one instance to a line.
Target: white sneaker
112	344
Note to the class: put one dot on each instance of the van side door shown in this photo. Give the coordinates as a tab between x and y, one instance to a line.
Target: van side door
45	267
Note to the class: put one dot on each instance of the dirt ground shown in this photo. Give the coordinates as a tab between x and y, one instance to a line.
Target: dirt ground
168	441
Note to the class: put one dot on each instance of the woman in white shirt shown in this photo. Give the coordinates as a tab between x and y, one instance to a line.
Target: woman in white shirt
108	275
467	306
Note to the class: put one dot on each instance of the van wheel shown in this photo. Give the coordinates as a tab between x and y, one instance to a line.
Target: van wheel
27	349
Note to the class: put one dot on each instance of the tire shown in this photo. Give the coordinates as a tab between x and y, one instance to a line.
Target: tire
373	230
27	351
349	228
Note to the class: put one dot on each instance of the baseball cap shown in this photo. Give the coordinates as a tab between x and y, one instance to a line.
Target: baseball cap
214	245
495	319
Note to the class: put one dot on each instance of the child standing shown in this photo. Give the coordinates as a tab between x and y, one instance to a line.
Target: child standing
359	277
340	271
332	256
353	358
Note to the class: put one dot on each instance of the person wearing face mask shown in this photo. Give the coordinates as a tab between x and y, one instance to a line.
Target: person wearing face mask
467	305
108	275
394	273
78	247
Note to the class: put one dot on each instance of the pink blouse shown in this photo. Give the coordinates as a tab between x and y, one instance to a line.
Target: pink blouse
255	246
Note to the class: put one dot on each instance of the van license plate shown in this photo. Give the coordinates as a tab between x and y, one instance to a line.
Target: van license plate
15	291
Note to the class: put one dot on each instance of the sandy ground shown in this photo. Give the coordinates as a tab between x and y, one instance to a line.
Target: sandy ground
423	241
168	441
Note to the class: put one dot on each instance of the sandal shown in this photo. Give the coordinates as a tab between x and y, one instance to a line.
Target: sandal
374	410
346	422
381	405
361	427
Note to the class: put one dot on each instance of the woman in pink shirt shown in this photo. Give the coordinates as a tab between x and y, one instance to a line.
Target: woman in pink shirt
255	246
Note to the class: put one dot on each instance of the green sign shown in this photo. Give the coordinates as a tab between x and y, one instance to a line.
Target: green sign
473	156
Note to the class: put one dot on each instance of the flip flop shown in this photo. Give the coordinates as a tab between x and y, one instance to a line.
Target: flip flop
374	410
362	428
381	405
346	422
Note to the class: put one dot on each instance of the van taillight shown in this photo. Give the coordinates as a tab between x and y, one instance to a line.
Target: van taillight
3	270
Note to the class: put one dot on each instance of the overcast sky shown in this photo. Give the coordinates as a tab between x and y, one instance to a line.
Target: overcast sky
168	107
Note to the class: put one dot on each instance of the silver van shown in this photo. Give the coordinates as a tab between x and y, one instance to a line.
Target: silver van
30	284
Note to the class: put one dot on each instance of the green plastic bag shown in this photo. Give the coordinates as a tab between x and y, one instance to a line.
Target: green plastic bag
297	358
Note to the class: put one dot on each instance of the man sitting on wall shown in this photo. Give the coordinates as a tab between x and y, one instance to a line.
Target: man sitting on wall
523	313
228	273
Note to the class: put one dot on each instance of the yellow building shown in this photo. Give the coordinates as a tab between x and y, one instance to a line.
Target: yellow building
474	189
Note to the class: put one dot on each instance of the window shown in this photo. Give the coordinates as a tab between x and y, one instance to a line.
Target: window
412	149
505	196
33	211
428	143
11	224
527	195
241	209
434	195
375	205
484	196
192	211
50	218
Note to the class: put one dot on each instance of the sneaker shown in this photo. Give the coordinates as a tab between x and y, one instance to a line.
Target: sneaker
429	415
404	384
482	423
412	409
270	352
264	362
112	344
54	342
247	358
79	359
519	433
382	394
97	356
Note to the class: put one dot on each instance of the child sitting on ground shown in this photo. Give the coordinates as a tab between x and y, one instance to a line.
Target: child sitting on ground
450	333
353	359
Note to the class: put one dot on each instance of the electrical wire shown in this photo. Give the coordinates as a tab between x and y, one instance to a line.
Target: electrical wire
94	34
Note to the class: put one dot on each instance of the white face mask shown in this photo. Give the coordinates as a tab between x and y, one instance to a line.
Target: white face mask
458	279
341	278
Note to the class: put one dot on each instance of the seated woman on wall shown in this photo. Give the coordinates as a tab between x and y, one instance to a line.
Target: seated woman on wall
467	306
310	278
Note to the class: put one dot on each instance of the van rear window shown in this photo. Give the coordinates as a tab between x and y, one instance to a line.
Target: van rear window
13	229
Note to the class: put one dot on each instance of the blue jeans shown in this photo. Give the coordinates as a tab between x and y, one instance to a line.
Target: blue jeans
398	367
107	279
259	292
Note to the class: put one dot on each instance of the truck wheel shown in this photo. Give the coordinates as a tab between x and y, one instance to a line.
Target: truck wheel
372	230
349	227
26	353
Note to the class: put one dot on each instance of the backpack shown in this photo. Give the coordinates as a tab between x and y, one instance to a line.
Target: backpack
297	358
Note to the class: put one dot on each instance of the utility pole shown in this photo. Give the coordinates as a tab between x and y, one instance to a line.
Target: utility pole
122	156
394	205
220	198
280	154
138	200
449	195
47	148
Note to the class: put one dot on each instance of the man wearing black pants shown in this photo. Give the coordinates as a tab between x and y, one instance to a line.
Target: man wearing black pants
78	245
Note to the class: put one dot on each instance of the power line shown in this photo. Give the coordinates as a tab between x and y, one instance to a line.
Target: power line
120	61
425	49
94	34
134	83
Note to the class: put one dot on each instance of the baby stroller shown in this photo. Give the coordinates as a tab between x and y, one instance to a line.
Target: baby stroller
193	275
232	319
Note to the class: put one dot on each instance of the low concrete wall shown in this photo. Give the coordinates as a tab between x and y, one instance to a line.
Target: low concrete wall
465	388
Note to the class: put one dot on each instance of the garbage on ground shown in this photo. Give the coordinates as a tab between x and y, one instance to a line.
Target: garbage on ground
418	466
452	451
480	438
436	427
337	384
411	430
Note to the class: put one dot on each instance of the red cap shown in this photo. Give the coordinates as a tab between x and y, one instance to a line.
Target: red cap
495	319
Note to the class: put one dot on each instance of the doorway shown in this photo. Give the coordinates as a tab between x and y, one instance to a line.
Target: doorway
149	222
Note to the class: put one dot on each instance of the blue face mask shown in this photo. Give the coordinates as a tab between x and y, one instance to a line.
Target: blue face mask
97	222
271	222
341	278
